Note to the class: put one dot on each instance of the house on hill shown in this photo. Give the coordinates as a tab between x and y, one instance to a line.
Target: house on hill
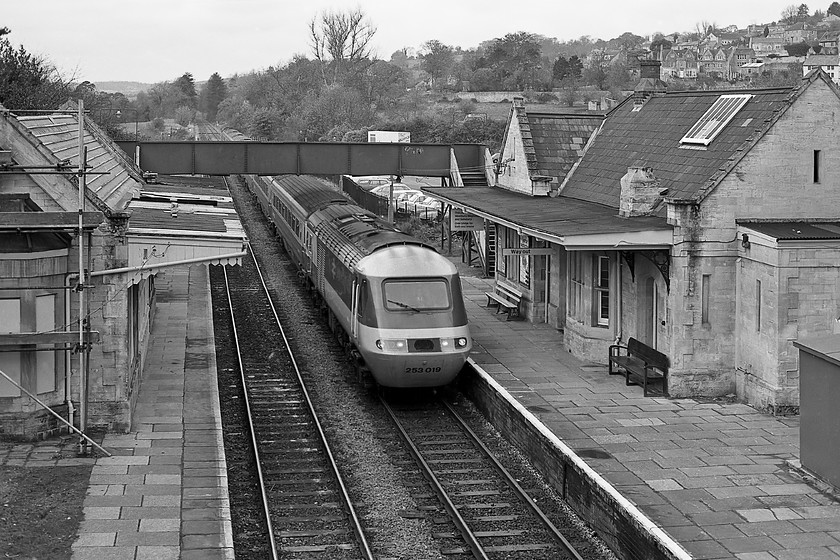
828	63
131	230
702	223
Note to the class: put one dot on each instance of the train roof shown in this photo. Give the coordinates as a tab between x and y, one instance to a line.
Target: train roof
352	232
406	260
311	193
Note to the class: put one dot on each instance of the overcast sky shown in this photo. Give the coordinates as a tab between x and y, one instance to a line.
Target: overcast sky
156	40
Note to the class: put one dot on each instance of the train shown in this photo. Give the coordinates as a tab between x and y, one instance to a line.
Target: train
393	300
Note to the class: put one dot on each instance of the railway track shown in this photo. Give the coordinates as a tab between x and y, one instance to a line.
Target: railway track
404	518
307	509
493	515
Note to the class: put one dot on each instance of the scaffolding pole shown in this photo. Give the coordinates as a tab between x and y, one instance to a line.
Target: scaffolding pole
82	320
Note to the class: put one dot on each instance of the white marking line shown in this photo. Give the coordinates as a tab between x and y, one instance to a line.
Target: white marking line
669	543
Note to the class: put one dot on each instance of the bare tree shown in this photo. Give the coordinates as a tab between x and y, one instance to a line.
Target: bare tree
341	43
704	27
790	13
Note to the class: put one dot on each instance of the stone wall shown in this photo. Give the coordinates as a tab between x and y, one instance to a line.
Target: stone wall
800	285
774	180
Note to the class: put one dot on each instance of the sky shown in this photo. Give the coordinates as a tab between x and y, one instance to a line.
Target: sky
157	40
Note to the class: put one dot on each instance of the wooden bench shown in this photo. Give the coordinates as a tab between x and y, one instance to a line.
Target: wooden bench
641	362
506	299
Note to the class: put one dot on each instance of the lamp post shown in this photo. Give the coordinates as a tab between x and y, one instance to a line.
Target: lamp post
136	133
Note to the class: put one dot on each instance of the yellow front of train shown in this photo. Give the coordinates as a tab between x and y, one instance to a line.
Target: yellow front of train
410	323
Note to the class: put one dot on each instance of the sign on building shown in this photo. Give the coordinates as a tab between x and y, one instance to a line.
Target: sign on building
527	252
391	136
461	221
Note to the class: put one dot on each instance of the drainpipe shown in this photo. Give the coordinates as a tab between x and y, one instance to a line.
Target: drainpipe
619	304
68	363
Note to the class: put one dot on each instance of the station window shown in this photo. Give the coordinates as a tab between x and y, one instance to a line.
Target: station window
36	370
511	262
817	158
576	286
524	261
602	291
10	362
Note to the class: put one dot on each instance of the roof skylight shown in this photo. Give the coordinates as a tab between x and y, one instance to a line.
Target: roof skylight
718	116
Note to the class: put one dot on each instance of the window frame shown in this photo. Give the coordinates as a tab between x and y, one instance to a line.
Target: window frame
601	291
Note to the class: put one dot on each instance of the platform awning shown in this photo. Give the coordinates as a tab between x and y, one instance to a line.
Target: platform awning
575	224
197	229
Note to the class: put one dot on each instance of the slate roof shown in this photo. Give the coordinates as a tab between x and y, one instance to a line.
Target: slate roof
822	60
556	216
113	177
558	141
789	231
553	140
652	136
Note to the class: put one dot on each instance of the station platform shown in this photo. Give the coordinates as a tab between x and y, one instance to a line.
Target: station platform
719	479
163	493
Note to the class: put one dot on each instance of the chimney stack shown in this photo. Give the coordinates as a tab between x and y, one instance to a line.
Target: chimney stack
641	191
649	83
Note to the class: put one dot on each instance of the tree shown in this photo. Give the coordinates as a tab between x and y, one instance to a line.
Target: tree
437	61
28	81
704	27
575	67
516	61
789	14
385	83
834	9
213	93
561	69
802	12
660	45
341	43
186	85
798	49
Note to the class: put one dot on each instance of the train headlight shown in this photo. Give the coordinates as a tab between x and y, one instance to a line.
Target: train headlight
461	342
392	344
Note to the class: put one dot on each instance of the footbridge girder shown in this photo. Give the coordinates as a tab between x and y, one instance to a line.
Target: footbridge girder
278	158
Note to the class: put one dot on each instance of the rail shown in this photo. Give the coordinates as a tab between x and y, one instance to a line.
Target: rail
350	510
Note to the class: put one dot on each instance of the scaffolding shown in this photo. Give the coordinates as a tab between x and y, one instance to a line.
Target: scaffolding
78	222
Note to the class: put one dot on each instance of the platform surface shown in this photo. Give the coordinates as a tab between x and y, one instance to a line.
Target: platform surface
714	475
163	493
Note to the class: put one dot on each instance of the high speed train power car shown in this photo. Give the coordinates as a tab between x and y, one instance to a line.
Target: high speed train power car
394	300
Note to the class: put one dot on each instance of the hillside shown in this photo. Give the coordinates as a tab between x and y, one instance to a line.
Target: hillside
129	89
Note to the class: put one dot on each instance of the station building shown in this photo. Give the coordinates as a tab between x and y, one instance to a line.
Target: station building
131	229
705	224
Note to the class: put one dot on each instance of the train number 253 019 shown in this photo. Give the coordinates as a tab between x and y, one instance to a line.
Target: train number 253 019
422	370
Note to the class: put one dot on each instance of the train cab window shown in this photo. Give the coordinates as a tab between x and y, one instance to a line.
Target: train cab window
416	295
